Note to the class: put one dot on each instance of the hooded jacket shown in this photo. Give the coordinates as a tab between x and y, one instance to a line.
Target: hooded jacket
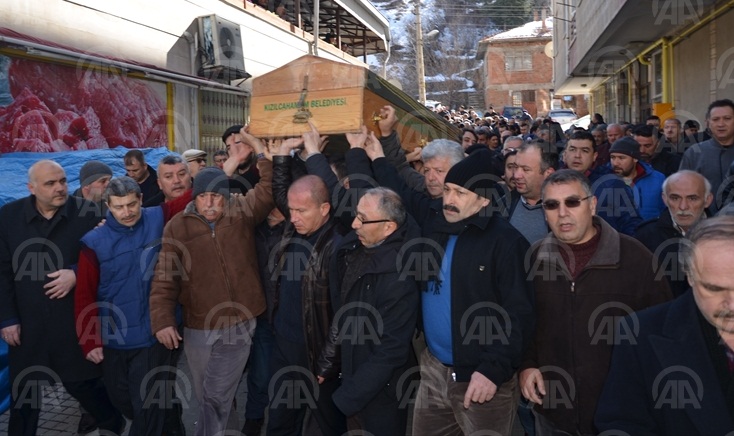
648	189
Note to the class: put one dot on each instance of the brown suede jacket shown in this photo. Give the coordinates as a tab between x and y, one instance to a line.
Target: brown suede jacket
212	273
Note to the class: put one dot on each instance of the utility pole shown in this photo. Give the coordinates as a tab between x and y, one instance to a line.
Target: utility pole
420	68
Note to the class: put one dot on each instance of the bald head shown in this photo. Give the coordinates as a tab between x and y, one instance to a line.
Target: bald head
614	132
42	166
47	183
693	178
308	204
313	185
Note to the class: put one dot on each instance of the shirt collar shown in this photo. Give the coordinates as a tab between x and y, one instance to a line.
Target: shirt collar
528	205
679	228
30	212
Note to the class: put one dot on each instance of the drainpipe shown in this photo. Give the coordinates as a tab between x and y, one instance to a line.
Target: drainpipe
316	22
384	65
667	73
193	93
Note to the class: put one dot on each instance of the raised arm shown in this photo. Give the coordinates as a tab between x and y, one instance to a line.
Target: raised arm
394	153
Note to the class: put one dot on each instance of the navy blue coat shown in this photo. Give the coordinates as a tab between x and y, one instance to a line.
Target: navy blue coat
665	383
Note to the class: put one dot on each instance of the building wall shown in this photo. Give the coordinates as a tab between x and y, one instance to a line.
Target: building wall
592	16
704	68
500	83
134	29
163	34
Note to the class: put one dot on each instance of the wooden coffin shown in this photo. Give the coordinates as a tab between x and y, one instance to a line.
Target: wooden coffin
337	98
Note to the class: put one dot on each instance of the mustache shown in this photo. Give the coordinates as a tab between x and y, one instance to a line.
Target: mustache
726	314
683	213
451	208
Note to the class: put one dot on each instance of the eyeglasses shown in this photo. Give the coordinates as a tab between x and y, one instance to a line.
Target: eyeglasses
220	160
570	202
371	222
198	160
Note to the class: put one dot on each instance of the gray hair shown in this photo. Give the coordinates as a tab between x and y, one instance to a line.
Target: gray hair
389	203
677	175
720	228
514	138
121	187
171	159
564	177
443	148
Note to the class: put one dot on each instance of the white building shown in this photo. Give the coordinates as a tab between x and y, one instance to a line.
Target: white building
62	50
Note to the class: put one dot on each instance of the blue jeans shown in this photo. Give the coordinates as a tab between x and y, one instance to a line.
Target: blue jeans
258	375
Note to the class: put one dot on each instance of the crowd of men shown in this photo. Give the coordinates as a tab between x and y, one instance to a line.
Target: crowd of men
578	282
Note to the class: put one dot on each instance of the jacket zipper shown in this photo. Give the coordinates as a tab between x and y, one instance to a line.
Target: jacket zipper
573	354
220	255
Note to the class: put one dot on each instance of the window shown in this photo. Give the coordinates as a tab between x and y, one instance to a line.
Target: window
656	78
217	112
518	62
517	98
528	96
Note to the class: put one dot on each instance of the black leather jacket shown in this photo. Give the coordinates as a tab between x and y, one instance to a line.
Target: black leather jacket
317	308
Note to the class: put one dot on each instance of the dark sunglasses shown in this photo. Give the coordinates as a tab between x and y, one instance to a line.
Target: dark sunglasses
570	202
371	222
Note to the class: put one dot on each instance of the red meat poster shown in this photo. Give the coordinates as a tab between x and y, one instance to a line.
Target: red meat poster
48	107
